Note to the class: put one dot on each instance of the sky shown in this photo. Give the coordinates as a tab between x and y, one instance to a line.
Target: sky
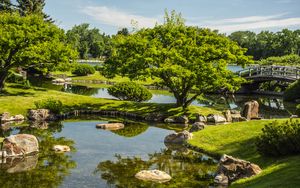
226	16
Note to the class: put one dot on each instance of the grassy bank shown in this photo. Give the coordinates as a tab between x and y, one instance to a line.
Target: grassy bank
99	77
238	140
18	101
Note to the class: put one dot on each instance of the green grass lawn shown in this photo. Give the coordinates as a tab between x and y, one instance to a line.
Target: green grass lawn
17	101
238	140
98	76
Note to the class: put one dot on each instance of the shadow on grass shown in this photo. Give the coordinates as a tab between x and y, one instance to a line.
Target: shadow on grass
18	93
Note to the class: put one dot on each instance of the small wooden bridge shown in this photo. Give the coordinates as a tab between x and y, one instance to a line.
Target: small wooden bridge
270	73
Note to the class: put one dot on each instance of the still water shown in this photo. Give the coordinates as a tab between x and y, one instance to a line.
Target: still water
102	158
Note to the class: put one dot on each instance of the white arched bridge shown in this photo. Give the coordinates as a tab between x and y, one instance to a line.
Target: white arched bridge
270	73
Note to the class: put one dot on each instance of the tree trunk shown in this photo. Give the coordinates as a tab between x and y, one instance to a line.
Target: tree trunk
3	76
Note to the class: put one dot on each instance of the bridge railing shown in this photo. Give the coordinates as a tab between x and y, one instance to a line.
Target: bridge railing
276	71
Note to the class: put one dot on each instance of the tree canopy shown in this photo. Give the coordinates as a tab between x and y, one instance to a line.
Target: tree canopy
88	41
29	41
185	59
266	44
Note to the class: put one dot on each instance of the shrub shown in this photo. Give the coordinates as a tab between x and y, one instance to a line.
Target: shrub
279	139
292	92
130	91
55	106
14	77
83	70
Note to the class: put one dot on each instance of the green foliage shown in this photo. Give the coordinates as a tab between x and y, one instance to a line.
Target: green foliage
293	60
130	91
292	92
83	70
266	44
14	77
183	58
55	106
279	139
29	41
88	41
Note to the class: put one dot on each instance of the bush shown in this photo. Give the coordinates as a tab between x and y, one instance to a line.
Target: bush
280	139
83	70
130	91
292	92
14	77
55	106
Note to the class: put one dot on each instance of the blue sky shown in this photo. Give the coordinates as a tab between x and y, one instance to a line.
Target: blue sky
225	15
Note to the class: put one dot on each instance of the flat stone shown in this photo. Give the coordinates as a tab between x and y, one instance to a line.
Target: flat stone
111	126
153	175
216	118
61	148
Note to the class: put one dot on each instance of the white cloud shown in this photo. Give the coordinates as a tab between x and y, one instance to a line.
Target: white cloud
114	17
249	23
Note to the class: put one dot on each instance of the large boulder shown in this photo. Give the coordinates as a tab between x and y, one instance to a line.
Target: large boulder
251	109
110	126
41	115
197	126
178	138
216	118
153	175
19	145
231	169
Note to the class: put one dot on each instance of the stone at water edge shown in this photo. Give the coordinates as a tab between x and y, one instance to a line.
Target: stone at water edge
234	169
251	109
153	175
201	118
228	115
59	80
216	118
19	145
41	115
111	126
61	148
221	179
178	138
197	126
5	117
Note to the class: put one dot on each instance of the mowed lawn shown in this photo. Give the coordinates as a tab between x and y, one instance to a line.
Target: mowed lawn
18	101
238	140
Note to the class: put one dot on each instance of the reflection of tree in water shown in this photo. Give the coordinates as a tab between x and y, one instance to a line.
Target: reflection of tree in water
80	90
187	169
132	129
51	167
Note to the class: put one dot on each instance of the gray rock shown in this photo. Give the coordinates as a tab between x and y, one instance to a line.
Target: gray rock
235	169
180	119
41	115
110	126
18	117
200	118
5	117
221	179
251	110
228	115
215	118
153	175
20	145
197	126
178	138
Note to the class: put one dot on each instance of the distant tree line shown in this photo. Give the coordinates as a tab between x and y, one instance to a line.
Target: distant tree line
267	44
88	42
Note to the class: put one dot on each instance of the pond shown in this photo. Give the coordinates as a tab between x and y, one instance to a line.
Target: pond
102	158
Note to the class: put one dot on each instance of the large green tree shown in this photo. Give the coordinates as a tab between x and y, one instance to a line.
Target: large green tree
88	41
29	41
187	60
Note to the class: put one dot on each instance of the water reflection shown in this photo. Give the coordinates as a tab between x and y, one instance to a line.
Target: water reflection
132	129
46	169
188	169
